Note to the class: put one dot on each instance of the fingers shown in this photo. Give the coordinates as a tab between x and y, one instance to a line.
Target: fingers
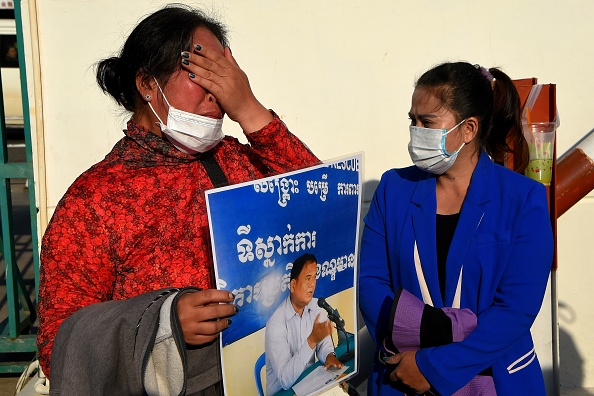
208	80
320	331
209	296
324	327
332	361
197	333
206	53
204	314
394	376
219	74
229	56
207	328
208	67
206	305
394	359
408	372
328	327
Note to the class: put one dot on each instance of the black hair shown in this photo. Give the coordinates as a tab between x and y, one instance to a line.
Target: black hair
466	91
300	262
153	50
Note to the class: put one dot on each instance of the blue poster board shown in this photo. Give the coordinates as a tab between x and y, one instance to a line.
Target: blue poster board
258	228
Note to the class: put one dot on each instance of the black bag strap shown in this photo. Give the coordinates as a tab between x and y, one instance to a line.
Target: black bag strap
215	173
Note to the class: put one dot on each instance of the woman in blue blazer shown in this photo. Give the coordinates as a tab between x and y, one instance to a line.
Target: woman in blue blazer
458	230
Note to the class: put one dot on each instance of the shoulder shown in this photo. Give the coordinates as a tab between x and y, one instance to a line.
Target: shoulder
515	182
314	310
505	187
313	305
403	176
230	147
88	182
409	173
231	141
400	181
279	315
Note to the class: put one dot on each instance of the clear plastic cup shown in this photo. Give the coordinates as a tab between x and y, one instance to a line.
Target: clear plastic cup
541	144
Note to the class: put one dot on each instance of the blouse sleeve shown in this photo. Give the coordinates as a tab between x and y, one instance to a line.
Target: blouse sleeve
278	149
76	267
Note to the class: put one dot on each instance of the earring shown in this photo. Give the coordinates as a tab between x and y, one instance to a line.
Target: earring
147	97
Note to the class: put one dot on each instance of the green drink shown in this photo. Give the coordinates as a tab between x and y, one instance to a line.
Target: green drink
541	144
540	170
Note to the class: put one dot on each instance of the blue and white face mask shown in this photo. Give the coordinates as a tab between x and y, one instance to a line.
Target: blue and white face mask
189	132
427	149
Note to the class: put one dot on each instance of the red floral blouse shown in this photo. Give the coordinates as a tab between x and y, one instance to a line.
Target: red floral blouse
136	221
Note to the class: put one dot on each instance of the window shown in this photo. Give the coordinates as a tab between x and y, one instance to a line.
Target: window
11	79
9	51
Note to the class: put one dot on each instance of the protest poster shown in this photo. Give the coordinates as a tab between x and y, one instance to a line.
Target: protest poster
258	229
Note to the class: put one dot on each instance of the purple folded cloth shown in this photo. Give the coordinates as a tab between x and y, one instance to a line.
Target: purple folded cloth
407	313
463	322
481	385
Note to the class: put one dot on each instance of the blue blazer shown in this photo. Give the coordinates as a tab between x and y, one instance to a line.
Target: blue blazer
502	249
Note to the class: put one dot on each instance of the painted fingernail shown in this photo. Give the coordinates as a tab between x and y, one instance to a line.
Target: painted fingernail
229	321
192	75
198	47
385	358
236	309
185	55
185	61
231	295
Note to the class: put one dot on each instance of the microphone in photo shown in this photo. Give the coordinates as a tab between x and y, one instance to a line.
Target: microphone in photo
333	314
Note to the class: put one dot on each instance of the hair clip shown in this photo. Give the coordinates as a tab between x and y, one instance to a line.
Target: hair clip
485	72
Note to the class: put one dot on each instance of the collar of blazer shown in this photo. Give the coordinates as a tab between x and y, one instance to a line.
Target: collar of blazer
423	219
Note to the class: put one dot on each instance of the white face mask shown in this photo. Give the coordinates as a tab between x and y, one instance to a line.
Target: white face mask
427	149
189	132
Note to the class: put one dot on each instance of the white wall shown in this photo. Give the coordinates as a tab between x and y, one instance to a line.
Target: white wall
340	73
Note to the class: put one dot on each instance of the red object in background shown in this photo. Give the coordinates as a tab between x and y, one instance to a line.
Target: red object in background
575	174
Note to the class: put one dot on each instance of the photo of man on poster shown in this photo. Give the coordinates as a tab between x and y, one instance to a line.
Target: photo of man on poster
298	331
277	242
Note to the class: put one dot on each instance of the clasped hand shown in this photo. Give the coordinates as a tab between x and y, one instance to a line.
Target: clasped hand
408	372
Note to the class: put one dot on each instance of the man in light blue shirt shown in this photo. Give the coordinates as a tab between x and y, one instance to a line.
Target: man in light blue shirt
297	331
